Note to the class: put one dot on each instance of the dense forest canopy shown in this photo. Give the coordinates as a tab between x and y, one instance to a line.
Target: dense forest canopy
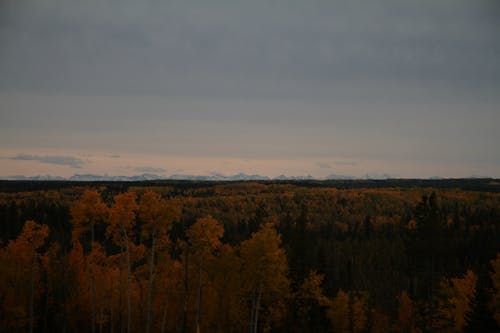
250	257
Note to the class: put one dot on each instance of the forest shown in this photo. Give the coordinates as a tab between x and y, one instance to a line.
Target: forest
190	257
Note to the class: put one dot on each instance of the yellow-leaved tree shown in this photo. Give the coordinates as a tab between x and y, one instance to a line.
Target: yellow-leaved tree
264	271
158	215
406	314
455	303
227	282
338	313
121	230
348	311
495	280
308	298
86	213
204	237
21	272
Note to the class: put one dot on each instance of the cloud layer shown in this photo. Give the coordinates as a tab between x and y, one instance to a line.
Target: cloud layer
406	82
60	160
143	169
250	48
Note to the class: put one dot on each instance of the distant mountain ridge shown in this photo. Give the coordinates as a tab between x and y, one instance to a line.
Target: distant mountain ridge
89	177
149	176
218	177
211	177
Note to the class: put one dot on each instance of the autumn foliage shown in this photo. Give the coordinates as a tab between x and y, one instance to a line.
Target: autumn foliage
250	258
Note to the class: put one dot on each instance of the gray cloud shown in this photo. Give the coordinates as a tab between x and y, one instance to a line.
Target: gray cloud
349	163
250	48
149	170
60	160
323	165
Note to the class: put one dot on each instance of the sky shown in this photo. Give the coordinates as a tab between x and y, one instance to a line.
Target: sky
407	88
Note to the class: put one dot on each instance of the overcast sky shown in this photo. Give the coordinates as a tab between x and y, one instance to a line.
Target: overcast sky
410	88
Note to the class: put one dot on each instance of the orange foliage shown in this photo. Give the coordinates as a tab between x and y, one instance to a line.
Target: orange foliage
21	270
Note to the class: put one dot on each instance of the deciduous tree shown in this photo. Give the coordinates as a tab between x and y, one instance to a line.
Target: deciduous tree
158	215
21	262
86	213
455	303
121	231
495	280
204	236
264	269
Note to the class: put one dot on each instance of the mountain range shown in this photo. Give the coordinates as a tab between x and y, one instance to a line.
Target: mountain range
211	177
149	176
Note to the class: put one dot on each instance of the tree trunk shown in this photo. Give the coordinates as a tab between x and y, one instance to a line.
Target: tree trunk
186	291
120	291
252	312
129	307
111	319
150	284
32	294
65	297
164	321
431	296
222	316
92	291
350	306
198	307
257	308
101	308
178	313
47	302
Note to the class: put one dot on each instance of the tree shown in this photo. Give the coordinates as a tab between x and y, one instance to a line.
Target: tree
406	314
426	249
22	265
495	280
338	312
348	312
309	300
455	303
121	230
86	213
264	269
359	310
78	285
204	236
170	277
225	274
55	267
98	260
158	215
